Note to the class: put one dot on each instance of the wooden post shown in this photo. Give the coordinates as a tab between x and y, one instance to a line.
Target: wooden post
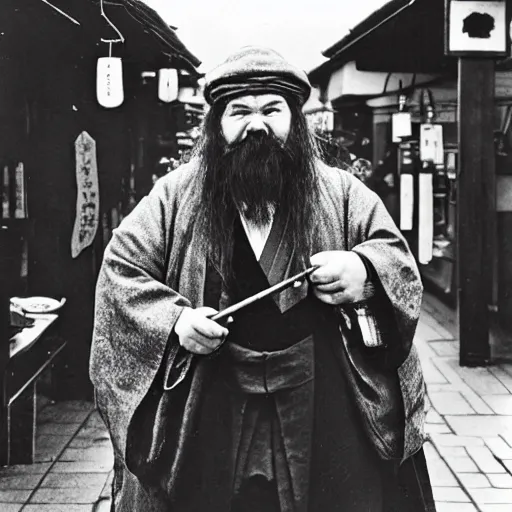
476	212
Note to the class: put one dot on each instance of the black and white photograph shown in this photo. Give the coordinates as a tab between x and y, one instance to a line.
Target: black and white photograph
255	256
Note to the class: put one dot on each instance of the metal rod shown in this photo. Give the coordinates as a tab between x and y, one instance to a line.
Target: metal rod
264	293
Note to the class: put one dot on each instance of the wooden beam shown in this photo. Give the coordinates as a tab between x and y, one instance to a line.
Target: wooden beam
476	212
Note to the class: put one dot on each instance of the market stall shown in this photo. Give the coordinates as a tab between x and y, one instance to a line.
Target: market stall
71	164
438	115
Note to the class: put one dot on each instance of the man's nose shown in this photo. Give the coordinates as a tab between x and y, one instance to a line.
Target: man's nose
256	124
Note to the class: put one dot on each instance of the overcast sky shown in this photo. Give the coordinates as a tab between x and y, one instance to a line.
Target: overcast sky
298	29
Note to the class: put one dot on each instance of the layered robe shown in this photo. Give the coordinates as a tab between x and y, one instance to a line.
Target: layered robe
178	425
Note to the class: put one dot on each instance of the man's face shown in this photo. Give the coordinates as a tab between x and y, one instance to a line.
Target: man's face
266	112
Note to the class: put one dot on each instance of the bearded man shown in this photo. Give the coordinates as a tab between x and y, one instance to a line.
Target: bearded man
309	400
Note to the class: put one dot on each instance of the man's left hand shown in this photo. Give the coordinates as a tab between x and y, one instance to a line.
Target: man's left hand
340	277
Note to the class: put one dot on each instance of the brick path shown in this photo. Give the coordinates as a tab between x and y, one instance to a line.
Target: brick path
469	425
469	451
73	467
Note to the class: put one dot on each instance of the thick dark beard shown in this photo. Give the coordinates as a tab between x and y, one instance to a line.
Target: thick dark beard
256	170
251	179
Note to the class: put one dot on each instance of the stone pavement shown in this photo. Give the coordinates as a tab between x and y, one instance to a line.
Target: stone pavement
469	425
469	451
73	464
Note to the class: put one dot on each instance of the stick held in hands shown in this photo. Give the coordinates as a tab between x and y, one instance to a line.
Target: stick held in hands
279	287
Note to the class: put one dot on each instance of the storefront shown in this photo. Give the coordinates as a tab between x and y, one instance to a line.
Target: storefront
394	63
71	168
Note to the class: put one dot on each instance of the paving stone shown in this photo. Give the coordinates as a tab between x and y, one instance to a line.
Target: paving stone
455	507
481	496
90	432
447	386
500	404
484	459
103	506
481	380
474	480
426	332
58	507
454	440
508	465
440	474
452	451
503	481
430	372
65	480
499	447
450	403
95	420
88	442
504	377
434	417
76	495
25	469
445	348
494	508
14	496
48	447
426	319
482	425
458	384
81	467
76	405
29	481
53	414
436	428
58	429
107	488
461	464
94	454
450	494
11	507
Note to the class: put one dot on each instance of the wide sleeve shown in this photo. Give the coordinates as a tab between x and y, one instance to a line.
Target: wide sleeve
135	311
373	235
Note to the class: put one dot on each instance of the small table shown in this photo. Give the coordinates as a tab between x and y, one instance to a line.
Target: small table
31	351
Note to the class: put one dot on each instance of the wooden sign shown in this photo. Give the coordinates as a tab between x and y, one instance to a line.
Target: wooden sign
476	28
88	195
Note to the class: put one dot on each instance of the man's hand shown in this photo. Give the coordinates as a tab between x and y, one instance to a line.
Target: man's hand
197	333
340	278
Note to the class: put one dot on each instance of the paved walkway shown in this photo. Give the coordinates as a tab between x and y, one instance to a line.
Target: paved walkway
469	425
469	451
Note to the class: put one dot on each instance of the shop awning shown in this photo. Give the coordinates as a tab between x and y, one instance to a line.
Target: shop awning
403	36
33	28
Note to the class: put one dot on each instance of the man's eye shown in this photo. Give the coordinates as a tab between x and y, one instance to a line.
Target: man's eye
237	113
269	111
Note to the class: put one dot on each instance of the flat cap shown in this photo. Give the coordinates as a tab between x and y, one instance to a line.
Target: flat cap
255	70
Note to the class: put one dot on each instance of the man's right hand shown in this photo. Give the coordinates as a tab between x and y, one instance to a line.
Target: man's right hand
197	333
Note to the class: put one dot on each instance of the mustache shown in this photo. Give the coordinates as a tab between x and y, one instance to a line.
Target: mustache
254	141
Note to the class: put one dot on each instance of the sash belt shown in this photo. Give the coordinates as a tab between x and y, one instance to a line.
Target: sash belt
268	372
273	437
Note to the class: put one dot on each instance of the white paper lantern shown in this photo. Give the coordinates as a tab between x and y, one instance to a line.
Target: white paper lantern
109	82
167	85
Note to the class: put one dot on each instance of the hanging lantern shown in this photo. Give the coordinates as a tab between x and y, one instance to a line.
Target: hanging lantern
109	82
167	85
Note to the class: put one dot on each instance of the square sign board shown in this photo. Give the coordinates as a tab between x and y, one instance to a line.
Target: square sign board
476	28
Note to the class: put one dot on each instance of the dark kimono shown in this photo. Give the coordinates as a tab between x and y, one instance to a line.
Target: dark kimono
269	421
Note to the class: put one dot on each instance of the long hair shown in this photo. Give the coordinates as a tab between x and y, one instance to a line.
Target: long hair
296	201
